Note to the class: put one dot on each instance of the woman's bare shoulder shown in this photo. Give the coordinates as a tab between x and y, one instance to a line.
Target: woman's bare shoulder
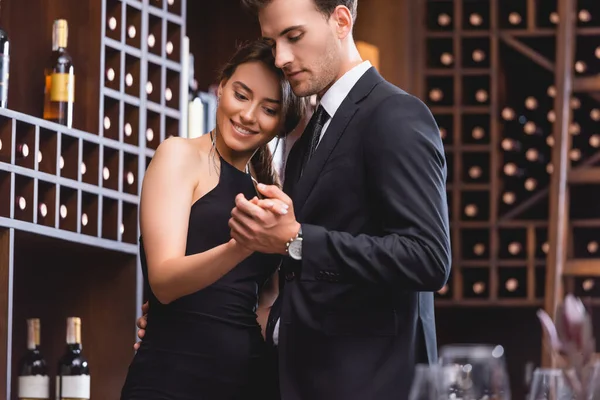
179	152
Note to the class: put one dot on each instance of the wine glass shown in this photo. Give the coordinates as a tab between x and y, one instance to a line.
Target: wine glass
594	382
425	383
549	384
474	372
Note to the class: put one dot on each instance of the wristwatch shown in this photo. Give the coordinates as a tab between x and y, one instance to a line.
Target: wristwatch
294	246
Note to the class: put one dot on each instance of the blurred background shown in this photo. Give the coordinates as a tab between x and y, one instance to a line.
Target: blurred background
513	85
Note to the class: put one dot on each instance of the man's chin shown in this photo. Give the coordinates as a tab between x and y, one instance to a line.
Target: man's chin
302	89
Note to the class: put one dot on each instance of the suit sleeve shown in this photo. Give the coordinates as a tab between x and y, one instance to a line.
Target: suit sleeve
406	178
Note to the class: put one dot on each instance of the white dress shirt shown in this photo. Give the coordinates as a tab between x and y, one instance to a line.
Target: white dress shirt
331	101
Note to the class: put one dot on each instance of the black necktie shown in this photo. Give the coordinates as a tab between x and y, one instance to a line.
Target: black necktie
313	132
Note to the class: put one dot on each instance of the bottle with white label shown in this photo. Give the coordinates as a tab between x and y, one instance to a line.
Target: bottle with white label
33	372
73	377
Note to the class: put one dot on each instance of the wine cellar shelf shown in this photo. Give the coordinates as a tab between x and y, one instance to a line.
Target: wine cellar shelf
69	196
67	184
489	74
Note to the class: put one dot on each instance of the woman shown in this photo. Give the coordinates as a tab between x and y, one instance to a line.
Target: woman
202	338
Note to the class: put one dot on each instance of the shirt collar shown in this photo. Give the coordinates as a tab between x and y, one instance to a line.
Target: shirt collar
336	94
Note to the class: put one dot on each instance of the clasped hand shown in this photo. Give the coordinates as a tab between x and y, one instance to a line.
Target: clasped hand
264	225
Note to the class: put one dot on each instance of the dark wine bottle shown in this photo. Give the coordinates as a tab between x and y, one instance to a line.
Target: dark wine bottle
73	377
34	382
4	67
59	95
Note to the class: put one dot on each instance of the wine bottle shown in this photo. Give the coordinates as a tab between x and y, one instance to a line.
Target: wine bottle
73	377
479	249
444	20
477	133
471	210
509	198
514	18
21	202
59	95
34	382
22	150
436	94
509	144
43	210
514	248
475	19
4	67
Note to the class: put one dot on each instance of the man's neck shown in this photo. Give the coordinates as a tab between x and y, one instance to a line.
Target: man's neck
347	67
352	58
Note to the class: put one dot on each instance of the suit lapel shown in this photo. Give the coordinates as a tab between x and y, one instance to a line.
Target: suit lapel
301	187
315	165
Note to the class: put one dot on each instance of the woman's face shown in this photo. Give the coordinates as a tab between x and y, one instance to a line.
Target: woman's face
249	113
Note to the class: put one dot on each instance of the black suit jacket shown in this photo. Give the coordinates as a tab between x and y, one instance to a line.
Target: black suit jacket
357	312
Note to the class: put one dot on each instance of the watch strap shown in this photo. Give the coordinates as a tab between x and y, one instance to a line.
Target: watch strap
289	242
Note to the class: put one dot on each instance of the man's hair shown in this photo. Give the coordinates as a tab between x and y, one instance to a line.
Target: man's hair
326	7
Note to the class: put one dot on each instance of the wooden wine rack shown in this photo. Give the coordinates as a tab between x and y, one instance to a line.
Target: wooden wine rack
509	260
69	196
518	49
142	94
56	188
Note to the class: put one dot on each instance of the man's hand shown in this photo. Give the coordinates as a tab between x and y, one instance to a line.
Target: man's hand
141	323
264	225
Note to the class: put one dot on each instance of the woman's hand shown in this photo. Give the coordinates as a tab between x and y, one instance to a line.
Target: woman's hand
142	322
275	205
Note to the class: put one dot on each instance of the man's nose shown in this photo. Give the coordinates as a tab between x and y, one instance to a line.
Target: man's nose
283	56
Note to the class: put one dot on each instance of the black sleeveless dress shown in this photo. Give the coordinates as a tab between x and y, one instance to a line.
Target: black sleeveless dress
208	345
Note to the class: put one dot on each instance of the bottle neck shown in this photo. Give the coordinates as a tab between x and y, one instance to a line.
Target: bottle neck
74	332
33	334
59	35
56	47
34	348
74	348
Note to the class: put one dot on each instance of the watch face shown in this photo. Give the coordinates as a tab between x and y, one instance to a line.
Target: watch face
295	249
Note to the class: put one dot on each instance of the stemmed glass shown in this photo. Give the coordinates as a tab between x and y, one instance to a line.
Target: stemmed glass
425	383
549	384
474	372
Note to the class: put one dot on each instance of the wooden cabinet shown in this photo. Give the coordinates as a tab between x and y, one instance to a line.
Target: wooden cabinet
69	203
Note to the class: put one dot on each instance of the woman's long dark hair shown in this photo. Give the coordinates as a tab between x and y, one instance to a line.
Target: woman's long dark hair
293	108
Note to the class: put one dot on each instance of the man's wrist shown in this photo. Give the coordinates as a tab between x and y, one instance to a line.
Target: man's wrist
294	231
293	246
297	229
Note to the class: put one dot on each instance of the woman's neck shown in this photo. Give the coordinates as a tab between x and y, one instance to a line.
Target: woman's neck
238	159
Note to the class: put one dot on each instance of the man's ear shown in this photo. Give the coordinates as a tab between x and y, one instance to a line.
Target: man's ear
342	17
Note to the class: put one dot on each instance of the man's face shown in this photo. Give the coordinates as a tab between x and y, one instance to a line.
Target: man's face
304	43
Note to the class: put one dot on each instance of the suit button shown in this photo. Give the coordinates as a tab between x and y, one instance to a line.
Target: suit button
290	276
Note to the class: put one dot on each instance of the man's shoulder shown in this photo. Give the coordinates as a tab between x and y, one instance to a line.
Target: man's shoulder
387	95
388	86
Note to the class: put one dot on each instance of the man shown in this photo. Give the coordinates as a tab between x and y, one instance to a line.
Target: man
364	227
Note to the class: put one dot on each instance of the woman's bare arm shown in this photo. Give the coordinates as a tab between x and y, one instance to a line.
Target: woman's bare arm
166	200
